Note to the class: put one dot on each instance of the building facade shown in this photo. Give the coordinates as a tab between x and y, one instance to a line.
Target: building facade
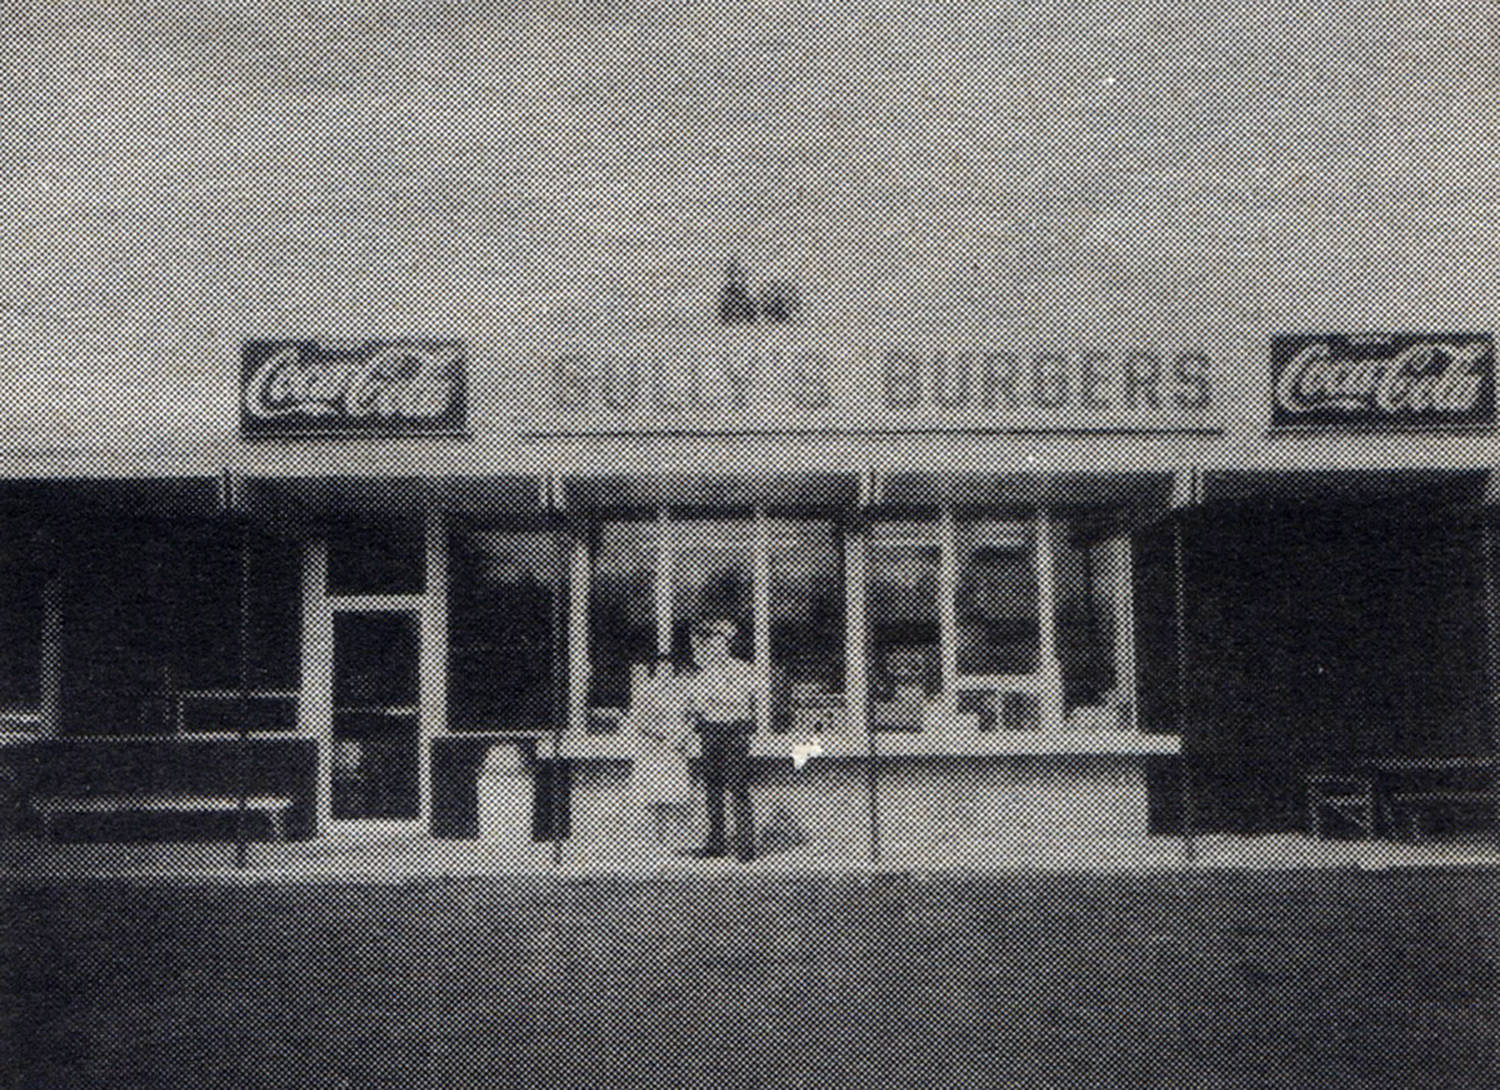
1017	589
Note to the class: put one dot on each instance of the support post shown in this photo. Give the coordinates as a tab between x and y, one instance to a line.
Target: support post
665	555
1053	709
432	649
1491	605
857	673
242	760
761	623
948	609
1179	610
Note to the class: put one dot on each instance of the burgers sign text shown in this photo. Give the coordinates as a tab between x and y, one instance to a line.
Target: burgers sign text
1399	380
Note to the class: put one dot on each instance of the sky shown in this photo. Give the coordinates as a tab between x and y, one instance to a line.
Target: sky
173	181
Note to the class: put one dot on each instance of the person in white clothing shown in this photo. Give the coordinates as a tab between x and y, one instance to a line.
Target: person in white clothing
719	695
660	775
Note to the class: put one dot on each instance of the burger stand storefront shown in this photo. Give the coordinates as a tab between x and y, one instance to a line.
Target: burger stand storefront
1016	595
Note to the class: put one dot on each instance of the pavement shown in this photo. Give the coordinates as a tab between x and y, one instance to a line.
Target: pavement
398	855
1211	979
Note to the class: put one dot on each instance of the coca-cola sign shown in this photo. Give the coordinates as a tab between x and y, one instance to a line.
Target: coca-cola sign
291	388
1386	381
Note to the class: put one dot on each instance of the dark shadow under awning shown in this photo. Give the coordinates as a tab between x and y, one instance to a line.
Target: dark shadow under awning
1026	490
294	502
69	499
1396	487
789	490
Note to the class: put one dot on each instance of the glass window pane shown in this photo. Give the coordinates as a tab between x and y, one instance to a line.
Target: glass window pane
375	664
118	629
713	577
807	609
377	559
205	648
275	618
1091	581
997	608
902	612
507	623
22	577
151	630
622	608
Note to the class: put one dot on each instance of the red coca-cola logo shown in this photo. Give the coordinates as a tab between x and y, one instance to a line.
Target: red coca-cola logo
289	386
1404	379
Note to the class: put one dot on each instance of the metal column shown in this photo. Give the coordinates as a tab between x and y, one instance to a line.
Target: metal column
1179	610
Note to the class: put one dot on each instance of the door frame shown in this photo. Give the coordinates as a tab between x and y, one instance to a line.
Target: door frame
315	708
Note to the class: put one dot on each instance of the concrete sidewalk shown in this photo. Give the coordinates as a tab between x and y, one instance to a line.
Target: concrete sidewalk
401	857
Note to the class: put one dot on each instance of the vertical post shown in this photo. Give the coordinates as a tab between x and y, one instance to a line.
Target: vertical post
432	654
558	706
948	609
1491	604
315	709
663	583
761	589
856	673
241	846
1179	610
1049	666
580	666
1127	681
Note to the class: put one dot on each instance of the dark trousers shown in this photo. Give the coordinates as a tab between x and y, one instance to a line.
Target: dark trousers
726	758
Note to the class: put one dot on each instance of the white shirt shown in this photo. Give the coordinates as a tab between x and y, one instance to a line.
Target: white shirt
722	693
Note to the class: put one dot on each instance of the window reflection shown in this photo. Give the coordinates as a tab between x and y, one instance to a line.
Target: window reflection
622	608
1092	581
904	628
507	629
807	608
713	576
997	607
151	620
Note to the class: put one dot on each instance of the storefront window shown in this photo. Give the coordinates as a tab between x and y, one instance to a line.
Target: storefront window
996	604
712	577
972	627
151	631
1092	578
807	608
653	579
622	608
808	633
377	559
23	578
507	625
902	606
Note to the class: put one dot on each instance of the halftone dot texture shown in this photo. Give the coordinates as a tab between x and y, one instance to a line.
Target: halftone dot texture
1013	882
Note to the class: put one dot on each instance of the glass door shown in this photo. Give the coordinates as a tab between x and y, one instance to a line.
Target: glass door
377	736
374	665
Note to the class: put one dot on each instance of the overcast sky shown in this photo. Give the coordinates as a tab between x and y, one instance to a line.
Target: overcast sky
184	178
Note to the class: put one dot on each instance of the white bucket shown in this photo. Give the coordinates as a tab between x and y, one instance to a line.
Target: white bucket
506	796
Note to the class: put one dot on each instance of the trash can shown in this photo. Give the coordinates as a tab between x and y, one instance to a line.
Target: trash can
507	793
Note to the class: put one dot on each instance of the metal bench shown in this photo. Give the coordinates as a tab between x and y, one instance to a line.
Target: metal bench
49	808
1414	805
1350	795
1371	794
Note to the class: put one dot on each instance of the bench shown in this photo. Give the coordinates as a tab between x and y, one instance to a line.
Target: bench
51	807
1415	804
1350	795
1371	794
